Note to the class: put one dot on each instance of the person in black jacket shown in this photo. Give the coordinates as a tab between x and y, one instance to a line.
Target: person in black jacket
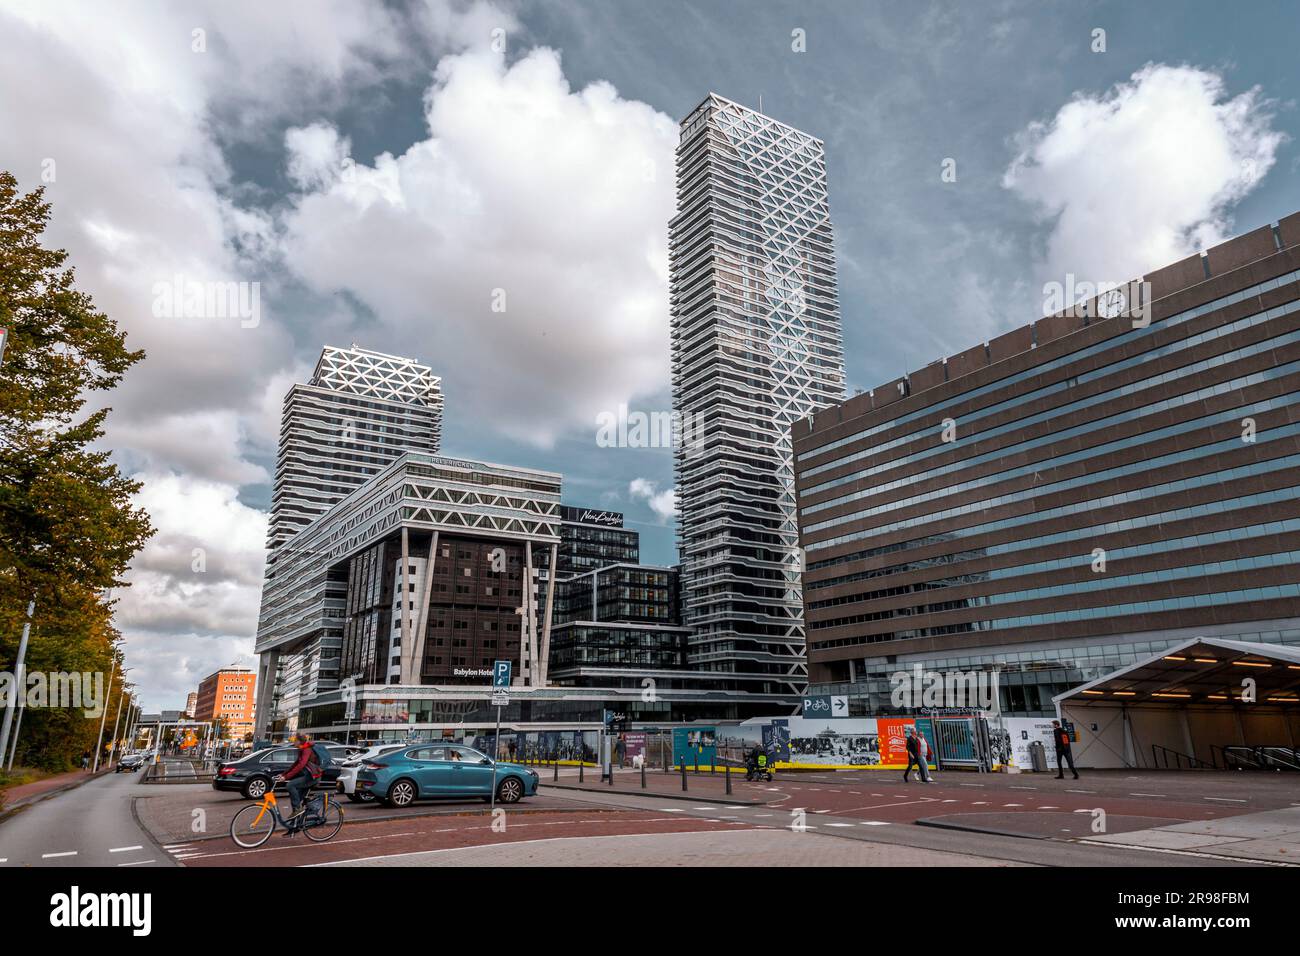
1062	740
913	756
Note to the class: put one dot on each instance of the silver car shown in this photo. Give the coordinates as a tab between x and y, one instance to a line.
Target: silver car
347	782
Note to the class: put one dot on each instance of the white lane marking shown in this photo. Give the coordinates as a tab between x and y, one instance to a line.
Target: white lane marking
874	823
175	846
1147	794
125	849
950	800
669	810
972	785
762	814
1013	804
839	824
50	856
1226	799
1024	788
136	863
1080	791
4	859
1048	807
980	803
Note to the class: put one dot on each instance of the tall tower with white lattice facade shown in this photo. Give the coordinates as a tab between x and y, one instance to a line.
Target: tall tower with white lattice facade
756	345
359	412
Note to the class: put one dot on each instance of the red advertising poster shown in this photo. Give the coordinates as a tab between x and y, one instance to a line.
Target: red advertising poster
893	740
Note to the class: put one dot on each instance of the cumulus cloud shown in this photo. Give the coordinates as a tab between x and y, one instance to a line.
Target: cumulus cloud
662	503
558	198
521	248
1144	174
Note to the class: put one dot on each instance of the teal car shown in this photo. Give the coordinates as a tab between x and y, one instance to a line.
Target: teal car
442	771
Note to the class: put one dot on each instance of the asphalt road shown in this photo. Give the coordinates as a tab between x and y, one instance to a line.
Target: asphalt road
89	825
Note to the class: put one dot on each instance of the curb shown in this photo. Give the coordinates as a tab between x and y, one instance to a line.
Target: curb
941	824
661	796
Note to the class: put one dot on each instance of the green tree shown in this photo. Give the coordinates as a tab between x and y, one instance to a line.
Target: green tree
68	528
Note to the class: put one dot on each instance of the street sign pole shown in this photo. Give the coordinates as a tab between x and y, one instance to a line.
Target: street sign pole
496	751
500	697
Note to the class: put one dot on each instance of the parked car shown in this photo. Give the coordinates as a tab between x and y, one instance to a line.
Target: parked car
130	762
252	775
347	782
425	771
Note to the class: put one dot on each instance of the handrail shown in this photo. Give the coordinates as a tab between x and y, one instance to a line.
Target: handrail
1260	757
1193	763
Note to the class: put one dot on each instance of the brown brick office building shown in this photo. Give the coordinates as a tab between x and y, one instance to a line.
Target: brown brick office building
1070	496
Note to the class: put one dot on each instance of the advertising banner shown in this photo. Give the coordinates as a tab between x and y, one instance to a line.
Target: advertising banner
893	740
1017	734
827	742
633	745
692	745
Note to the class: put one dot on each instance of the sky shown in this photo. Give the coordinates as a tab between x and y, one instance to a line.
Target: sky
486	187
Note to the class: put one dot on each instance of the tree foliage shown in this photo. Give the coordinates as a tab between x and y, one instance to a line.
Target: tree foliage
68	527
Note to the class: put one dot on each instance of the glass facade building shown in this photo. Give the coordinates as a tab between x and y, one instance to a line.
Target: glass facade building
1071	496
756	346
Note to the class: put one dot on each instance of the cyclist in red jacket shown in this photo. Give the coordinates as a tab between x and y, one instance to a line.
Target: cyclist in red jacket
302	776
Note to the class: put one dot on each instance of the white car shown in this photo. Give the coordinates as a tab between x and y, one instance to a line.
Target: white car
347	782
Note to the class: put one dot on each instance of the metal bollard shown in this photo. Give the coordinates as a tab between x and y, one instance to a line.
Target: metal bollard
727	771
581	765
683	776
697	764
642	774
611	774
555	764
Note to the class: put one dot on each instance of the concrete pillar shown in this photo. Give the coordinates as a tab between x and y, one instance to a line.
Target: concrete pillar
268	664
405	617
528	645
422	622
544	650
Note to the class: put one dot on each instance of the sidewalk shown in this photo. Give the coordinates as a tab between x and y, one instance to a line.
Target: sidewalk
1272	836
14	797
668	786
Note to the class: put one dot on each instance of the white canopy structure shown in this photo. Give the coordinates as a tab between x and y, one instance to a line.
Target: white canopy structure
1208	702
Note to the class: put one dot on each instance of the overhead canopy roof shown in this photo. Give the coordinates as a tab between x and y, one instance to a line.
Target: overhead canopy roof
1205	671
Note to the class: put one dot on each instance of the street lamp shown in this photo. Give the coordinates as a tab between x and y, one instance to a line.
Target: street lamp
99	740
117	720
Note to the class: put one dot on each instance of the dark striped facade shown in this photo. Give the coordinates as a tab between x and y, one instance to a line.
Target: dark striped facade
1068	497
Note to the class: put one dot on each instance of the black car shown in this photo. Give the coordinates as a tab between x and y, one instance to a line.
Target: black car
252	775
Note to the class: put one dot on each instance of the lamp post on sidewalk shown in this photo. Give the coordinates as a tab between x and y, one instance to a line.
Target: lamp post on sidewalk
20	681
99	740
118	719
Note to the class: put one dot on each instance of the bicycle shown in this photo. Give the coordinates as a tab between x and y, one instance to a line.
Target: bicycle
253	825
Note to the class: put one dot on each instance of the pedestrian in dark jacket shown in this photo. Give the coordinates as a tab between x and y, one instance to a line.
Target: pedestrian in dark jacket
1062	740
913	757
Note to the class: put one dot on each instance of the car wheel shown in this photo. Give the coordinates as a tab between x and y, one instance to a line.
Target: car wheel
510	790
256	788
352	797
401	794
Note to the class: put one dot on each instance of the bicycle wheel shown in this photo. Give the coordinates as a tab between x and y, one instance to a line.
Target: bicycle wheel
330	822
252	826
